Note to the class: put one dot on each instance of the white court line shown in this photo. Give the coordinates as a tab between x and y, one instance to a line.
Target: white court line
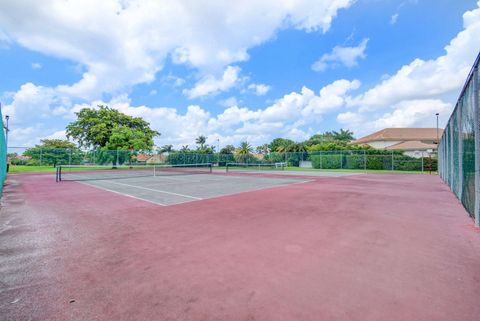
156	190
194	199
248	191
123	194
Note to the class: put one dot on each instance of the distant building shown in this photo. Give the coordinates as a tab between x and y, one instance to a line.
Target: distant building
157	159
414	142
141	158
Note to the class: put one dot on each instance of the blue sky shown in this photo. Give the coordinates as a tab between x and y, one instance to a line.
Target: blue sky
252	70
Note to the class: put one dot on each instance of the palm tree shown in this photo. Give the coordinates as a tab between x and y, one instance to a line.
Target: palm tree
343	135
298	147
244	149
166	149
263	149
201	140
184	149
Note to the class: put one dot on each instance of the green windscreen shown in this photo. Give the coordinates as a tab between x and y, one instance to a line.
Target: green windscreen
459	146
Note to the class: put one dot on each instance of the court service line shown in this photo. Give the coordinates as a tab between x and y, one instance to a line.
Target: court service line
123	194
156	190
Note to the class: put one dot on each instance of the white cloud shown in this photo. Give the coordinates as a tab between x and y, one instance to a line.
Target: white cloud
426	79
210	85
139	35
347	56
331	97
410	97
60	134
414	113
173	80
259	89
36	65
30	103
229	102
285	117
350	118
393	19
408	113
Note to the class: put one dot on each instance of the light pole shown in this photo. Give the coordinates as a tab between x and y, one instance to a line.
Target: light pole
6	129
438	142
6	138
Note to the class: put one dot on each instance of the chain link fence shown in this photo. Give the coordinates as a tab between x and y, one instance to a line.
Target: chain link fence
459	149
327	160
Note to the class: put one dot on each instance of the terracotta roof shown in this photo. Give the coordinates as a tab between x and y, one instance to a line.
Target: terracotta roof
412	145
401	134
142	157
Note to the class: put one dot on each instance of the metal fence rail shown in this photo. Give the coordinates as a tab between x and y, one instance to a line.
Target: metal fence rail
459	149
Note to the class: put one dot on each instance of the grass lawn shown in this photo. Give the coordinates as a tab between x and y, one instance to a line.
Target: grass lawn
31	169
14	169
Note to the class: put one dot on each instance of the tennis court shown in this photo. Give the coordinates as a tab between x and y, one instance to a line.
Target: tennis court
236	246
169	185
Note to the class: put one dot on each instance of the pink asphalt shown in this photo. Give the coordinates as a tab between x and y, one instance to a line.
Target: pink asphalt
364	247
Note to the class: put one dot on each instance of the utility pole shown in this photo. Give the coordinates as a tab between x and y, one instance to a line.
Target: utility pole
7	129
438	142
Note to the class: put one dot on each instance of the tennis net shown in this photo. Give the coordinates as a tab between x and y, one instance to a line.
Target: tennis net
94	172
233	167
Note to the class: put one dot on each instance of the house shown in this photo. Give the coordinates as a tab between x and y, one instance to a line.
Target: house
157	159
141	158
415	142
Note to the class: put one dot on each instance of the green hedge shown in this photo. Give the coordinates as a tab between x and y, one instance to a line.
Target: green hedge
373	162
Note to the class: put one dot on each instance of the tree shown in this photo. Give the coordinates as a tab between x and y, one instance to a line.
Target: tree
106	127
343	135
166	149
54	152
333	136
126	138
206	149
279	144
185	149
201	140
263	149
320	138
229	149
244	149
243	154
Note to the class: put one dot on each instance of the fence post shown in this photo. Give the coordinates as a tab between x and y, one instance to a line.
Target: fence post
365	160
460	150
422	161
392	162
41	155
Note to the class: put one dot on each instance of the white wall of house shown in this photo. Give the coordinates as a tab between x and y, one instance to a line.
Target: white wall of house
415	153
382	144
